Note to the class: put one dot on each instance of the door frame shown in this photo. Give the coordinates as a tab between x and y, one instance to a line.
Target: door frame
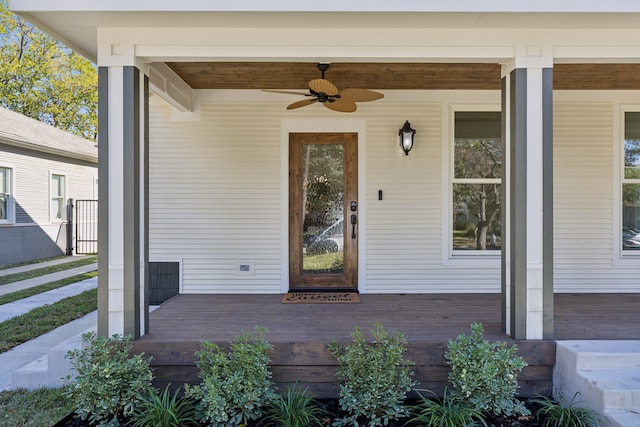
348	278
322	126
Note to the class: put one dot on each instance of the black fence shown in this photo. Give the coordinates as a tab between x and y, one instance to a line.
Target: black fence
86	221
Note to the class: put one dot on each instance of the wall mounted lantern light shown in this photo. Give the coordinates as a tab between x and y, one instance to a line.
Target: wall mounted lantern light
406	137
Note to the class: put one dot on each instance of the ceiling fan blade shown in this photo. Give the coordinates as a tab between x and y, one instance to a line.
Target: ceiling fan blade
286	92
360	95
302	103
323	86
341	105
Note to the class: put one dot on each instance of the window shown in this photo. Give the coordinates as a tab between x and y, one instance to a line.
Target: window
631	183
476	183
58	197
6	200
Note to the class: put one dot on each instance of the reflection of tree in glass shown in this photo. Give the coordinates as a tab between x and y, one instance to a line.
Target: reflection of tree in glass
631	192
478	159
479	203
323	183
632	158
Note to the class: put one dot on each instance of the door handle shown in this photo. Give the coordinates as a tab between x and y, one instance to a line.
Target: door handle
354	221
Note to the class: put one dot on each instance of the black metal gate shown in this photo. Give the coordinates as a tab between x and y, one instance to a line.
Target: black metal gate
86	220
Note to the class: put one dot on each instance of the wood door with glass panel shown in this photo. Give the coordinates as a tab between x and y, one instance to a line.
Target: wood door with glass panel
323	211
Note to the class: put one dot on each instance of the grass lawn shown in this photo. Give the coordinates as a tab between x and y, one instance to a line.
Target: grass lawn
18	295
11	278
35	261
41	320
323	262
39	408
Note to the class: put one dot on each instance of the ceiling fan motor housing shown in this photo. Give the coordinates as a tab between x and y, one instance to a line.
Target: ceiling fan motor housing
326	93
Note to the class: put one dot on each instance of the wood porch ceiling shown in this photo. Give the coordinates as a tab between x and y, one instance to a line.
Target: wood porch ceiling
407	76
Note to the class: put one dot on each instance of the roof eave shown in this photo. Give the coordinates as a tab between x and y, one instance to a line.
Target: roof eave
21	143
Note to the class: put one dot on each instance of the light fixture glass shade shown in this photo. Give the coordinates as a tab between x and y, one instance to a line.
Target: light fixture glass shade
406	137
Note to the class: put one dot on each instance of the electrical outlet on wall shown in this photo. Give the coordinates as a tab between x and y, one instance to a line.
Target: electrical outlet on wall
245	268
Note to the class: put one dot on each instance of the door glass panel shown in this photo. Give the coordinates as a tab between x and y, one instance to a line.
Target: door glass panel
323	208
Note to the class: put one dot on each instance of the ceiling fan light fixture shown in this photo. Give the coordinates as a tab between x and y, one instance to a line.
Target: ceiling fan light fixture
327	94
406	134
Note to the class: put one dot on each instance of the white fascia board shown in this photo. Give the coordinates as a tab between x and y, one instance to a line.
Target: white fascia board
21	143
329	6
364	44
32	19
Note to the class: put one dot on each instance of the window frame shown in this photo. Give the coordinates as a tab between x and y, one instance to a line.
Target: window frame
11	205
451	257
52	217
621	180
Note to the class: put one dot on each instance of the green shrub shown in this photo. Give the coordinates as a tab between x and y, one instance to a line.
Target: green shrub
294	408
445	412
236	385
164	410
109	382
374	378
562	414
484	374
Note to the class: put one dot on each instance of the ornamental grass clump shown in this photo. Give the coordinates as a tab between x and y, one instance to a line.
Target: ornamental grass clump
445	412
163	409
236	385
110	381
374	378
484	374
294	408
563	414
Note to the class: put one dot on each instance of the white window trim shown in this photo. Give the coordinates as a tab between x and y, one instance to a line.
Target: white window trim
459	259
53	220
621	257
11	205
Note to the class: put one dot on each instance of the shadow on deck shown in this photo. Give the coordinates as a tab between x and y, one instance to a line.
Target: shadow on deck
300	332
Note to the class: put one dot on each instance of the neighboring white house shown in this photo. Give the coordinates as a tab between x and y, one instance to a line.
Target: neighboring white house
526	116
41	168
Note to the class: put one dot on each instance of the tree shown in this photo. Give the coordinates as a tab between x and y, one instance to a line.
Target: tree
45	80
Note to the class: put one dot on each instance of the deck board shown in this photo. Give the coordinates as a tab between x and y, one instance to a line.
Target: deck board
300	332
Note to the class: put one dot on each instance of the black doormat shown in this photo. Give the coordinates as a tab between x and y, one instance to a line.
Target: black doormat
321	298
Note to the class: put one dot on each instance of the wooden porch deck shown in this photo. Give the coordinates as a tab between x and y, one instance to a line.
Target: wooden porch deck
300	332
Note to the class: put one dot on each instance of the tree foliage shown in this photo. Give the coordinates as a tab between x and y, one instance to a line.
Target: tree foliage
45	80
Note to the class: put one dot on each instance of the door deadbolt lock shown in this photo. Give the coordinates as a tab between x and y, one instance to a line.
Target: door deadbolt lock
354	206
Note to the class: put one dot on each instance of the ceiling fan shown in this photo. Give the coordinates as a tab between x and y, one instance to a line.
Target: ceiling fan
325	92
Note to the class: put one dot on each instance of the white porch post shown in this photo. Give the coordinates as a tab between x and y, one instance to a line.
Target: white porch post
123	214
527	267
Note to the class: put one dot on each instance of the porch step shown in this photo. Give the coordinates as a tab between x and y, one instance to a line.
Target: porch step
605	373
49	370
623	418
32	375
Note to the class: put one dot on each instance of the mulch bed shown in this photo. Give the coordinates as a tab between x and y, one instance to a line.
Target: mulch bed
332	407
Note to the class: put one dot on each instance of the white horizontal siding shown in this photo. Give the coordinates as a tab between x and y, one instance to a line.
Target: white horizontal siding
584	200
32	173
404	230
215	196
216	191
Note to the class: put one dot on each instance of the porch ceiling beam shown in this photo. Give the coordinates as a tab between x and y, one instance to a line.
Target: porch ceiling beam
171	87
396	76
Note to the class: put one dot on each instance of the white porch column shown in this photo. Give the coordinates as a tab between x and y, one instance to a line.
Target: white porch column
123	214
527	258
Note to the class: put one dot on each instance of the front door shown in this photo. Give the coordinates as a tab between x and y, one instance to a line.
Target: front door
323	211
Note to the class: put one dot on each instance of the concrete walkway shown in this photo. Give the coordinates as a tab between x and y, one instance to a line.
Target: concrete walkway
38	348
24	354
37	265
24	305
36	281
